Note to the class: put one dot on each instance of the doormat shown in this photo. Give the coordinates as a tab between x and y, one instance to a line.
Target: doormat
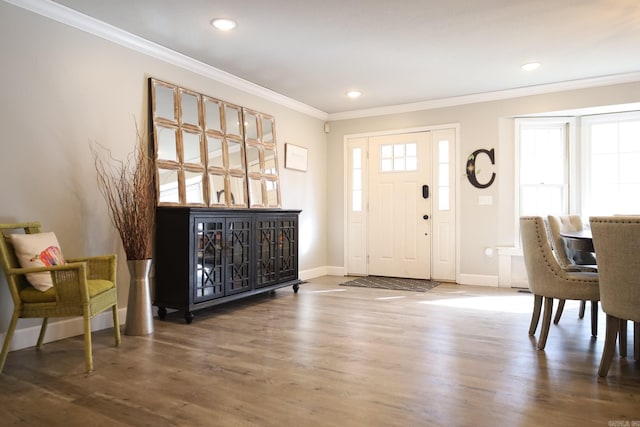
394	283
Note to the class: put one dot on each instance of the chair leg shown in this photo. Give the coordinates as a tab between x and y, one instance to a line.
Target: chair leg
613	324
43	330
594	318
535	317
622	342
88	355
636	341
583	306
546	322
116	325
559	311
7	339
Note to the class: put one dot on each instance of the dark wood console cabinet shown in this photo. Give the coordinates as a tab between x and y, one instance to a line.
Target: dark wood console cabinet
205	257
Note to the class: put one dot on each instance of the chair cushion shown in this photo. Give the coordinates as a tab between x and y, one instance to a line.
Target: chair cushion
38	250
31	295
98	286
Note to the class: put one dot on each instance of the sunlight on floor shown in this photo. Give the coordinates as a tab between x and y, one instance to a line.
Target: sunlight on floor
328	290
505	303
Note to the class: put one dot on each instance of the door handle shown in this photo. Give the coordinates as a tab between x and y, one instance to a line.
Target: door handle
425	191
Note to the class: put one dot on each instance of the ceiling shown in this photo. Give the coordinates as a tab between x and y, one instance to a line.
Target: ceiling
396	53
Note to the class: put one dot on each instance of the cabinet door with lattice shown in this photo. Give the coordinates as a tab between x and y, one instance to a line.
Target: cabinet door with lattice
276	247
208	274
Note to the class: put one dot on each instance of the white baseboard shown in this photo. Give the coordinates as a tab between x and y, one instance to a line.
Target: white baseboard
312	273
478	280
321	271
335	271
61	329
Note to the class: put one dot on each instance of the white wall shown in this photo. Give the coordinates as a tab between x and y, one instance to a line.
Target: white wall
63	88
482	125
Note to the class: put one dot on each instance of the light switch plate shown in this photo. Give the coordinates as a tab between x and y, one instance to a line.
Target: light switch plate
485	200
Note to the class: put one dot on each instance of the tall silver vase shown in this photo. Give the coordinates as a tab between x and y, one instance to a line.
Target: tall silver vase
139	313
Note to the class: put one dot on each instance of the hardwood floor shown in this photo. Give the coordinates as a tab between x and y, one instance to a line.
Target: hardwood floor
332	356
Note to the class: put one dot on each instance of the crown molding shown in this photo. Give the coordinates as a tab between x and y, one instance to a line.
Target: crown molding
488	96
72	18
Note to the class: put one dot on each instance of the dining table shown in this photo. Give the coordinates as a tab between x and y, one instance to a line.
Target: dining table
580	240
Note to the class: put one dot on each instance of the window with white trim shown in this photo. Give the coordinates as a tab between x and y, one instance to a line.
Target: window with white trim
543	166
610	164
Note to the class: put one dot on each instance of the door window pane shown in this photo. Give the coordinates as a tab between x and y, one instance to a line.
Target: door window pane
399	157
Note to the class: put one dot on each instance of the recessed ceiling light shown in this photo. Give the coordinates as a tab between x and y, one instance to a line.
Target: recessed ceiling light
354	94
530	66
224	24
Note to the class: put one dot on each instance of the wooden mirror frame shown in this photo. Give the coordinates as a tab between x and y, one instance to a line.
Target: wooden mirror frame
201	147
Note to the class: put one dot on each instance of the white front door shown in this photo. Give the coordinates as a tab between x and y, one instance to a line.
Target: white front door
400	205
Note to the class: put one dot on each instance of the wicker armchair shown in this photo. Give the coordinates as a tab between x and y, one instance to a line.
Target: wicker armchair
81	287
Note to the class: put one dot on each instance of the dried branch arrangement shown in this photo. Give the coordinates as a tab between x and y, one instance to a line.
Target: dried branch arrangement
128	188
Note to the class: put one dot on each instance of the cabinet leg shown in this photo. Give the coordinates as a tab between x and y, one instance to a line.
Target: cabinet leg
295	288
162	313
188	316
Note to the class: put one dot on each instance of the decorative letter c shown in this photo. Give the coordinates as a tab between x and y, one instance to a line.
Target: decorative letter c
471	167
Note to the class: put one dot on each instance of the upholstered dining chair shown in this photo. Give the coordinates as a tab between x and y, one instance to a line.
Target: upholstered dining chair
568	258
617	243
548	280
60	288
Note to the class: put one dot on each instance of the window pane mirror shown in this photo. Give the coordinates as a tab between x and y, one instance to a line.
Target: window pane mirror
209	152
233	118
165	105
217	186
262	161
167	182
212	114
189	103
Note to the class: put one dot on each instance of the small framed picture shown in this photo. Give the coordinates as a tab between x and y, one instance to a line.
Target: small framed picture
295	157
